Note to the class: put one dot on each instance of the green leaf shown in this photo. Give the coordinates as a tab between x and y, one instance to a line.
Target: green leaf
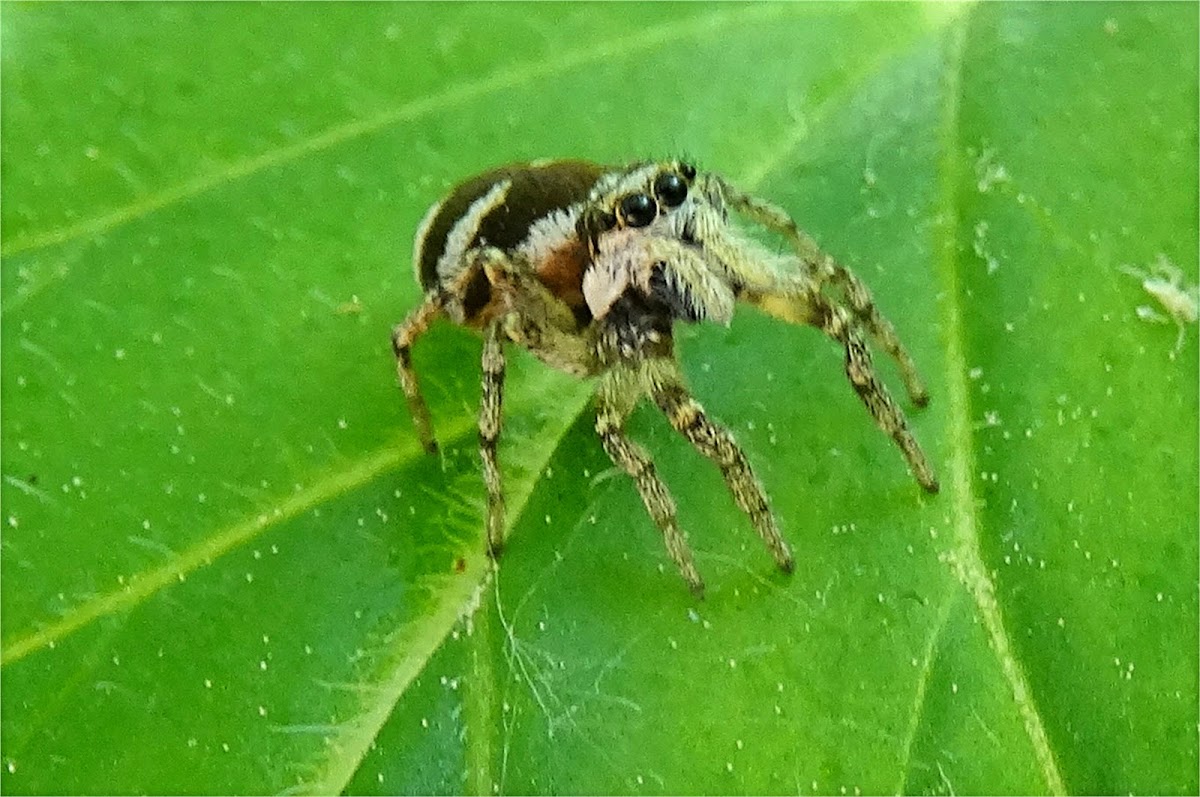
228	567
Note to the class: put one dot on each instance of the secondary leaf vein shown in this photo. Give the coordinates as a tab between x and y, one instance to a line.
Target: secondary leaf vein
512	77
144	585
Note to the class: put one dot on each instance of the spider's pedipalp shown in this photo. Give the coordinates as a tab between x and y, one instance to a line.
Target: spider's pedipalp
662	269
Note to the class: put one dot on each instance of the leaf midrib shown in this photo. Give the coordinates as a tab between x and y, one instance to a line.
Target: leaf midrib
967	557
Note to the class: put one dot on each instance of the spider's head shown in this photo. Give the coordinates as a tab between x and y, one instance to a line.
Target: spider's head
643	196
640	226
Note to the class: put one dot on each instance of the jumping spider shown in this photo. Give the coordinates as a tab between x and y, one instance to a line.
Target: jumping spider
590	267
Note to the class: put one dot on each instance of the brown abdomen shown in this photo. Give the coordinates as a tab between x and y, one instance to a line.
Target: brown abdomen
536	191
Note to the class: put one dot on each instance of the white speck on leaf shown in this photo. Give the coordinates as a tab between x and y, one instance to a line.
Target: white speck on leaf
988	173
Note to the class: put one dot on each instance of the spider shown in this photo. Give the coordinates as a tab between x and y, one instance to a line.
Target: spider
590	267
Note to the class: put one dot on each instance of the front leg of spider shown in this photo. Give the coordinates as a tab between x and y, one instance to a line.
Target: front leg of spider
792	289
716	443
659	378
613	406
640	286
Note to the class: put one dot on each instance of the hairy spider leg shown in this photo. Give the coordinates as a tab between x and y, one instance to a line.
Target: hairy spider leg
416	324
619	391
799	304
825	269
715	442
545	328
403	337
490	421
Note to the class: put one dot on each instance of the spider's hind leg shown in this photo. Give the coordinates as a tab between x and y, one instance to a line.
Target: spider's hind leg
403	337
438	301
490	420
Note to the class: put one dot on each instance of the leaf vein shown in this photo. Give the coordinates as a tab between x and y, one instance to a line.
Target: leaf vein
145	585
500	80
932	647
967	557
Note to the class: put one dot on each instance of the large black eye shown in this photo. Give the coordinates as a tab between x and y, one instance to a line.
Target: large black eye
670	188
638	210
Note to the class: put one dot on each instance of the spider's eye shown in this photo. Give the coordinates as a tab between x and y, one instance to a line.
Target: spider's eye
688	171
638	210
671	189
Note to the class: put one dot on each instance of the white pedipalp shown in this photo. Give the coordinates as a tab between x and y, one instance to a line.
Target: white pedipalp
612	272
627	259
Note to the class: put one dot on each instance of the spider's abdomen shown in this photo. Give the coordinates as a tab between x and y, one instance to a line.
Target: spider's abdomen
528	209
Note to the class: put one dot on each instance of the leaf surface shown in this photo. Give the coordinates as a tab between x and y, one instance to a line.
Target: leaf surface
228	567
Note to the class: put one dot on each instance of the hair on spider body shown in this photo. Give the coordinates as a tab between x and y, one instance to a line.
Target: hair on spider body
590	267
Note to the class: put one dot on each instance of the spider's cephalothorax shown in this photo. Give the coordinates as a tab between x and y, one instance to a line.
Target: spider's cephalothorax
590	267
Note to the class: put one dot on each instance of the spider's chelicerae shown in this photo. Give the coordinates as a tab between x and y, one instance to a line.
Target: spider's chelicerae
591	267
